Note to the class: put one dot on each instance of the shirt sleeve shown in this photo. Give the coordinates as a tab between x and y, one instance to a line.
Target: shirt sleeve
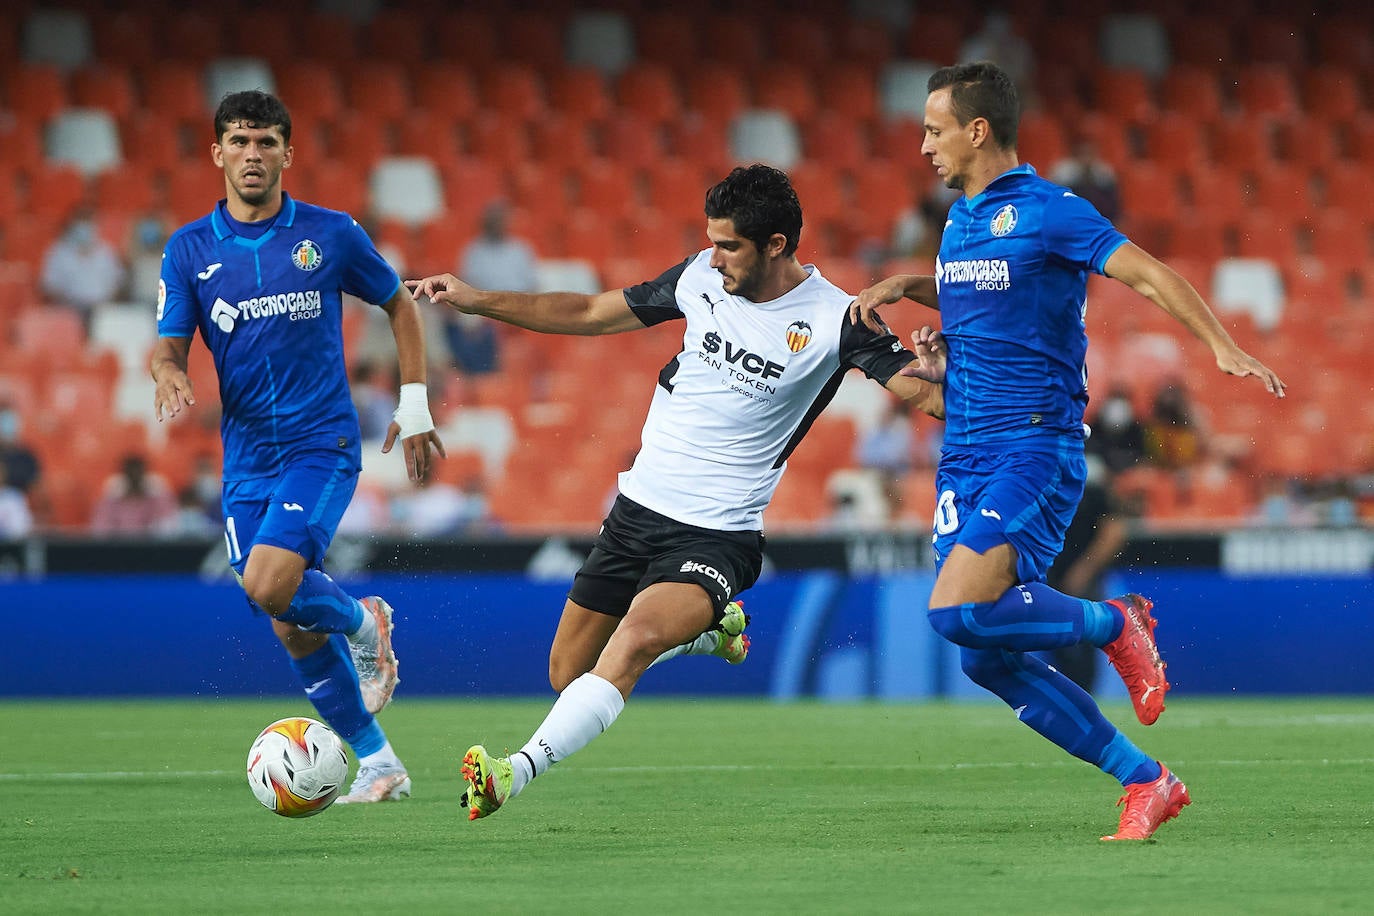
176	303
880	356
1079	235
656	301
368	275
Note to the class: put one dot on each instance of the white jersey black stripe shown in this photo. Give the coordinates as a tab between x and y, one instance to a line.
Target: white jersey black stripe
749	381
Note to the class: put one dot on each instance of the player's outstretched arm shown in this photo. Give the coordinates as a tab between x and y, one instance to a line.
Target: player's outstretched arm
917	287
1163	286
550	313
412	422
173	389
921	382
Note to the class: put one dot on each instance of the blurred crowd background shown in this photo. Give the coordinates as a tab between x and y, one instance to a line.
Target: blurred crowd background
569	145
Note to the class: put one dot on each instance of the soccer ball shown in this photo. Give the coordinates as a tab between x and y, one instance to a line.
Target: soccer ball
297	766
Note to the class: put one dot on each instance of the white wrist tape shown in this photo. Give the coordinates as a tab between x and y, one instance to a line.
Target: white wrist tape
412	413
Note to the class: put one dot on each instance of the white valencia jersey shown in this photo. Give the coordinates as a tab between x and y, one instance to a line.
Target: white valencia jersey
750	379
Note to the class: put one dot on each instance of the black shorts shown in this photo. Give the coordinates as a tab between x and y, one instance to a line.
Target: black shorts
638	547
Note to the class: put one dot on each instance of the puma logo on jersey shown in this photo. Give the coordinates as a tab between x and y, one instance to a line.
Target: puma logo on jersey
209	272
710	303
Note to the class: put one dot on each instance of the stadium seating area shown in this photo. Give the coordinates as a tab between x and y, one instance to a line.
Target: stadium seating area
1243	139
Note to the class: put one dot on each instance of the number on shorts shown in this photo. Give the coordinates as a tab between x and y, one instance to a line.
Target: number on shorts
946	514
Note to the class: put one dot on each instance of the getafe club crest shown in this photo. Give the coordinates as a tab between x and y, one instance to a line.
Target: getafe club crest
798	335
306	255
1004	221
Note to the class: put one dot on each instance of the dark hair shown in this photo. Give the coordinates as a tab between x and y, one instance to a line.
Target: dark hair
254	108
982	90
759	199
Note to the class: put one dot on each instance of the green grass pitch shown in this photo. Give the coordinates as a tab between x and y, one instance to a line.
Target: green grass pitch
693	806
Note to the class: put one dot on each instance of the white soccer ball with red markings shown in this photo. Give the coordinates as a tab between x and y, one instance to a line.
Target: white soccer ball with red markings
297	766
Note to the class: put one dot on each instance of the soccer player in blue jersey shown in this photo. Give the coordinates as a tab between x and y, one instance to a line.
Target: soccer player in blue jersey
1010	284
262	277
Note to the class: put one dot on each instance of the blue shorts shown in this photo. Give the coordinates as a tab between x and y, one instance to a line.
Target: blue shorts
1022	496
298	510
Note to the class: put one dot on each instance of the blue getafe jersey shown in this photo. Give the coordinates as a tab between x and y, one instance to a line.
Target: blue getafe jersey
1012	276
271	312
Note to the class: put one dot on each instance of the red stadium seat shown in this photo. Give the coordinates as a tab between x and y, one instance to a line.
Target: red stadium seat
35	92
649	91
676	187
175	91
633	141
193	35
1149	192
737	40
836	139
1266	90
1243	144
1283	188
563	140
605	186
330	38
1040	139
882	190
394	29
850	89
935	36
447	91
699	139
541	188
864	42
820	187
514	89
424	133
378	92
1332	92
499	137
1125	94
1307	140
123	37
1215	191
581	93
364	140
718	93
271	34
1193	91
310	88
107	88
1267	234
534	35
1174	141
787	88
474	29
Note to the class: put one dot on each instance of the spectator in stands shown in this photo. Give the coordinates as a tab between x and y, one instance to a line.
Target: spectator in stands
916	231
493	260
1281	505
1118	436
16	520
21	464
1089	176
146	239
1091	545
188	519
133	502
888	447
1173	438
441	509
81	269
373	388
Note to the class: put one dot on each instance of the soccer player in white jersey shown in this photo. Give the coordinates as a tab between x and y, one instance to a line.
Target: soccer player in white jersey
1010	285
765	343
261	277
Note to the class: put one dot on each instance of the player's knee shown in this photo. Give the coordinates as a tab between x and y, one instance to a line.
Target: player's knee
950	623
266	592
562	673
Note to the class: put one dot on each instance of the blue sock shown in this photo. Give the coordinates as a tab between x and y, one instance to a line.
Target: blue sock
1102	623
1026	618
320	606
1128	763
331	684
1048	702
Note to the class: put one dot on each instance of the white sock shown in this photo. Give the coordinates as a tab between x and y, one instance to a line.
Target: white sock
584	709
367	631
384	758
704	644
